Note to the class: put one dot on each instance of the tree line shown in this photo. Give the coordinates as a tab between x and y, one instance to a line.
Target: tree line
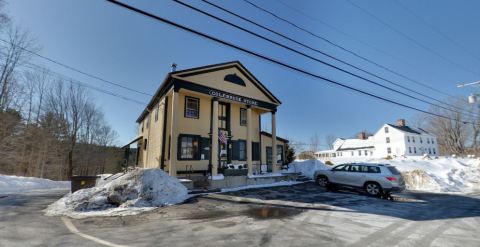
49	125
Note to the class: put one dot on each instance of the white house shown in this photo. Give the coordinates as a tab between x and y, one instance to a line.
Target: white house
390	140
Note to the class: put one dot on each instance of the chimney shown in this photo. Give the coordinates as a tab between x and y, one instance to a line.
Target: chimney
401	122
174	67
362	135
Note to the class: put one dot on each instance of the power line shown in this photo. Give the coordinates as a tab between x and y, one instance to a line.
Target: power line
319	60
274	61
75	69
82	84
328	55
396	30
436	30
343	48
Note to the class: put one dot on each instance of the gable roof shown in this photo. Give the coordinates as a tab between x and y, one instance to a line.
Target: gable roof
353	144
408	129
168	81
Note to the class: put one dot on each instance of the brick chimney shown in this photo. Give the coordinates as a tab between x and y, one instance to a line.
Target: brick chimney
362	135
401	122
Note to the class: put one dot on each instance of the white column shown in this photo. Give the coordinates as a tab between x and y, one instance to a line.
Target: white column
249	141
274	143
214	151
172	163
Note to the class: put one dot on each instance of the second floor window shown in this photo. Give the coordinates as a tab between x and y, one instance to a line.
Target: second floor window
243	117
192	107
386	129
389	150
388	139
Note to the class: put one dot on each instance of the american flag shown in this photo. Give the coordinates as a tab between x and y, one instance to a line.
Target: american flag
222	137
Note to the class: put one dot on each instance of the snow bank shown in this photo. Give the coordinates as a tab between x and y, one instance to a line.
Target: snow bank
443	174
10	184
307	167
123	194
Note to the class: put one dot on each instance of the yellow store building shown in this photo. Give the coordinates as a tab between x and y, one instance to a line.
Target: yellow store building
207	120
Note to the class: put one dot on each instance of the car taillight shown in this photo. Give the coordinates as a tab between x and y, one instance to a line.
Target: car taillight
391	178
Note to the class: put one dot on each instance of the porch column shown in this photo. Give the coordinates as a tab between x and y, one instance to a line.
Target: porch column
214	151
249	141
172	163
274	143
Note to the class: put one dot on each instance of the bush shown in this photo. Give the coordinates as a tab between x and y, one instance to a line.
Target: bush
328	162
388	157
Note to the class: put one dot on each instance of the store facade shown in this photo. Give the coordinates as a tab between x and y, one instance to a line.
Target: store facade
208	119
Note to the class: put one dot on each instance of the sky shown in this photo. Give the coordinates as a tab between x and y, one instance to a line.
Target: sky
129	49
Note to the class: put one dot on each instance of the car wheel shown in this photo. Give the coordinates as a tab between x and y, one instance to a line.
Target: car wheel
322	181
373	189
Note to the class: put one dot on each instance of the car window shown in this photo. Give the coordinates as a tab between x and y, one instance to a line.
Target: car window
373	169
393	170
364	169
339	168
355	168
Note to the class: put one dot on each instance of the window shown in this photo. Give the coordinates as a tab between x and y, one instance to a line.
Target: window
192	107
421	141
143	125
242	148
389	150
393	170
339	168
386	129
428	140
353	154
222	116
355	168
429	151
409	150
280	154
408	138
413	138
148	121
373	169
415	149
432	141
156	112
359	152
189	147
388	139
371	153
366	153
145	145
434	151
243	117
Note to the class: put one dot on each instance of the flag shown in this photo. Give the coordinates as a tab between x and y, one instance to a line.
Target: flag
222	137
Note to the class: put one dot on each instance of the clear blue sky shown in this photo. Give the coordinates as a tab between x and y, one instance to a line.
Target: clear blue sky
121	46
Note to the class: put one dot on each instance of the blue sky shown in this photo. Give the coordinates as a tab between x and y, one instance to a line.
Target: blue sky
124	47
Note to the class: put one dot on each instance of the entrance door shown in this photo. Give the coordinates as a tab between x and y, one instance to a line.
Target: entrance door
223	131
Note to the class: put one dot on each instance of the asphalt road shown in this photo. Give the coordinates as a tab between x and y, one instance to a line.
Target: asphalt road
300	215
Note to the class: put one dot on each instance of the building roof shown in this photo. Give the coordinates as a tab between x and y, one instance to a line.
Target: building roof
408	129
167	83
353	144
270	135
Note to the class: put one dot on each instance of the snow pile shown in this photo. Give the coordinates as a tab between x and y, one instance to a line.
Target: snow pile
10	184
123	194
307	167
443	174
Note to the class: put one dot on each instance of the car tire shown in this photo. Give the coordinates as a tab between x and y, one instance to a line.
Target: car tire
322	181
373	189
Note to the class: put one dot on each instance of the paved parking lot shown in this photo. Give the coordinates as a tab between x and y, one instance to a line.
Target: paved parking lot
299	215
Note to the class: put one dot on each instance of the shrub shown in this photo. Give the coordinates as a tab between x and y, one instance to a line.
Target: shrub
388	157
328	162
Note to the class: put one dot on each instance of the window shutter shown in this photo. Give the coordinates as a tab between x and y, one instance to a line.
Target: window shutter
235	150
205	148
255	151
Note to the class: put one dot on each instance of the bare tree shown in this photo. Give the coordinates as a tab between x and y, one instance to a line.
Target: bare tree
314	143
330	139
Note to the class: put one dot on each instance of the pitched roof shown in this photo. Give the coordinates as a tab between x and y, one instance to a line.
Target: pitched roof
270	135
353	144
408	129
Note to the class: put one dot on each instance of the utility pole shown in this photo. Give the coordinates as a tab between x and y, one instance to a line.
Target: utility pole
474	97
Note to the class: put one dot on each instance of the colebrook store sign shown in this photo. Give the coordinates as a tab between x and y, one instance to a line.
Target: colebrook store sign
237	98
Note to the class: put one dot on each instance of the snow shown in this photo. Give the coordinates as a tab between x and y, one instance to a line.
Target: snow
266	175
122	194
442	174
12	184
281	183
307	167
217	177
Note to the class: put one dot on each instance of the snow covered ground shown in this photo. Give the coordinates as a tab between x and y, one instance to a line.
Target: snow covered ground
307	167
15	184
122	194
443	174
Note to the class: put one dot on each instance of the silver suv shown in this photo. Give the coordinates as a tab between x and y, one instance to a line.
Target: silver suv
375	179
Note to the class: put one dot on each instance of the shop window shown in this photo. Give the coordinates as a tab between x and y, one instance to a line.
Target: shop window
192	107
243	117
242	150
189	147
